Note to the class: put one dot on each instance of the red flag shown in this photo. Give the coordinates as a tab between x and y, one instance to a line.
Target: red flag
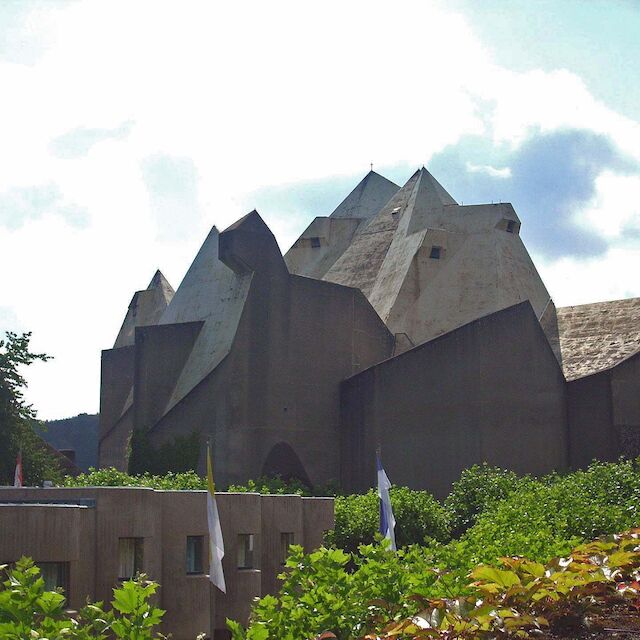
17	478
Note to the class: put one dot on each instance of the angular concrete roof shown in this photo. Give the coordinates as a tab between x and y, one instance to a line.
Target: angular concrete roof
482	264
360	263
368	197
597	336
327	237
214	294
146	308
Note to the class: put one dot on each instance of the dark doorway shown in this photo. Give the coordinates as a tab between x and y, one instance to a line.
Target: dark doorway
283	461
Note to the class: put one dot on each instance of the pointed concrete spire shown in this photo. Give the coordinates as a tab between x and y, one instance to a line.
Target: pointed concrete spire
146	308
368	197
429	197
435	189
359	264
161	284
191	302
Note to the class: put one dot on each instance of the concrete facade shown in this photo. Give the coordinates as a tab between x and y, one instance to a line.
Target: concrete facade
403	318
80	530
230	358
458	400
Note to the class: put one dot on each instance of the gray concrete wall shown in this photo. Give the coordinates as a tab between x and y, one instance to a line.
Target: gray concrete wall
592	435
490	391
625	400
604	414
161	353
117	368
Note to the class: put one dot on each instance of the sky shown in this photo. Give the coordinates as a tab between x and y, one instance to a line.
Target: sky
128	129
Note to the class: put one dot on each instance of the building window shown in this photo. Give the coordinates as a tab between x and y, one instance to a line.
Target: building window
435	253
315	242
511	225
55	574
195	545
286	540
245	551
130	557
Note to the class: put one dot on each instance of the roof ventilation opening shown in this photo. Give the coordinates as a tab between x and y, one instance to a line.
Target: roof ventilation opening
508	225
315	242
436	253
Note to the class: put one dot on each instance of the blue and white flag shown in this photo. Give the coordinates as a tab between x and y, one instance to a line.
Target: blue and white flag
387	521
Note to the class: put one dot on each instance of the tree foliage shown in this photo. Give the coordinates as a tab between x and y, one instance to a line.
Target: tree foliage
18	418
28	610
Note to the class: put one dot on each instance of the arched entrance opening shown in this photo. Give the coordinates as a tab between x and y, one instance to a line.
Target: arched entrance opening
284	462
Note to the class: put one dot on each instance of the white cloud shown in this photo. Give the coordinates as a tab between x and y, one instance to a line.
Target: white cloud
614	211
579	281
494	172
252	94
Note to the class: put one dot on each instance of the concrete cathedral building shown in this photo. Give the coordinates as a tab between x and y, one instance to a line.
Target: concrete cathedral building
404	320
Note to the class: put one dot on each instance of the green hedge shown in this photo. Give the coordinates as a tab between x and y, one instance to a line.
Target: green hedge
419	517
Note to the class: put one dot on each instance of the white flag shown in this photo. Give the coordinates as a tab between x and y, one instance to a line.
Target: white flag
387	521
17	476
216	544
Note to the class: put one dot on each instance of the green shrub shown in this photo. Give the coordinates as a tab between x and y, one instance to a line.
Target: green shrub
27	610
319	593
110	477
419	517
479	487
547	517
272	486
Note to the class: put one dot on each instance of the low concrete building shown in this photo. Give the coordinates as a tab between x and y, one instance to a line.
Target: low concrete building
87	540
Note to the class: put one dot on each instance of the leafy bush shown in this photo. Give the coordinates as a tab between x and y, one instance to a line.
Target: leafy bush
272	486
479	487
389	595
111	477
27	610
520	597
419	517
543	518
319	592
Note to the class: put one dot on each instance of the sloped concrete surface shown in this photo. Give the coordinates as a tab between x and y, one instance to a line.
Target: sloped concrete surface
146	308
598	336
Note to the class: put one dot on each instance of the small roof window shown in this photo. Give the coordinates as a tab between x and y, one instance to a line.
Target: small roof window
315	242
436	253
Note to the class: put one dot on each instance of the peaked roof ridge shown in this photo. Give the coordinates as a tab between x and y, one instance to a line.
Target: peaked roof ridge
428	200
396	205
252	222
160	282
444	196
367	197
187	304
